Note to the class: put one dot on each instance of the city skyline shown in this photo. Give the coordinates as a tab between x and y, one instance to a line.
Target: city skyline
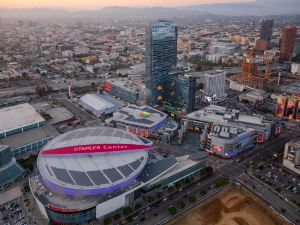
94	4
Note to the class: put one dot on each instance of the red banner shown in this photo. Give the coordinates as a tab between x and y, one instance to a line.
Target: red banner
94	148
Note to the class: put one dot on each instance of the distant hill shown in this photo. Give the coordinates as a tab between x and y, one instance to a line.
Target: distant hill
258	8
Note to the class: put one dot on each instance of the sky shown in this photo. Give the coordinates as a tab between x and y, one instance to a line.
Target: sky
93	4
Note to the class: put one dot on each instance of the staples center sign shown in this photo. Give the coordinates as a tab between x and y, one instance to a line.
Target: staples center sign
95	148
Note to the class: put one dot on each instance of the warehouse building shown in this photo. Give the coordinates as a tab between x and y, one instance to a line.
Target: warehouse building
99	105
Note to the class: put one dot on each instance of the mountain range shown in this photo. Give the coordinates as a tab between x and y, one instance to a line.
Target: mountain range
257	8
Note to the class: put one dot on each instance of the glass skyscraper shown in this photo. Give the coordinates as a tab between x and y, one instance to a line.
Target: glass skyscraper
266	30
161	61
164	83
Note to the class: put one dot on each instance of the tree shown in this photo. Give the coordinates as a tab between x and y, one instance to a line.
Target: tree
221	181
209	170
181	204
171	189
127	211
187	180
203	192
177	185
172	211
137	206
107	221
150	199
117	216
159	195
192	198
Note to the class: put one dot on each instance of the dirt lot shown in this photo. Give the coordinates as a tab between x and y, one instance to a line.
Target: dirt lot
232	206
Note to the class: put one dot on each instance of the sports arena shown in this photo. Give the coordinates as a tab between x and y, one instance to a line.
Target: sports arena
87	173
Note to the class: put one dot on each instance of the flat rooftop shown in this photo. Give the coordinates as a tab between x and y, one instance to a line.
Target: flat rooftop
183	162
222	115
26	137
96	102
18	116
145	116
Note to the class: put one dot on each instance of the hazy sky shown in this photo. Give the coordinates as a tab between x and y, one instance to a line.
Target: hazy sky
90	4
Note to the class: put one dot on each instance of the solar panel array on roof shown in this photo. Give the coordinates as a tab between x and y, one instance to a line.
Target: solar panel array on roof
107	132
70	136
125	170
112	174
135	164
97	132
62	175
81	178
84	133
97	177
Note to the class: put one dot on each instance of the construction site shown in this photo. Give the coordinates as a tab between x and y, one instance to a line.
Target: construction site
233	205
259	74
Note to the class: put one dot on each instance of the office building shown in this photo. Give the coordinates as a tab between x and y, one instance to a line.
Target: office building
185	92
161	61
214	84
127	90
288	42
291	156
266	30
164	83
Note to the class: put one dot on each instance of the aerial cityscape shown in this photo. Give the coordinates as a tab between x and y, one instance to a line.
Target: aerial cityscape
149	112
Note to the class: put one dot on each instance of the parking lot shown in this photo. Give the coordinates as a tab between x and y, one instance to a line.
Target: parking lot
283	181
13	214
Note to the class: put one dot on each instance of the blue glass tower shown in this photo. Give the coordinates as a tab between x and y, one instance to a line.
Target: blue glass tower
161	61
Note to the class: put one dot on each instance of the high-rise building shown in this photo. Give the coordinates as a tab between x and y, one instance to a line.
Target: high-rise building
161	61
214	84
263	43
185	92
266	30
164	83
288	42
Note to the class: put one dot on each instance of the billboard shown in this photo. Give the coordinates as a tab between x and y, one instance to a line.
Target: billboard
280	106
260	138
94	148
107	86
290	111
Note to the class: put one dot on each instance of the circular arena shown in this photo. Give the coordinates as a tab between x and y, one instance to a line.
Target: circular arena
92	161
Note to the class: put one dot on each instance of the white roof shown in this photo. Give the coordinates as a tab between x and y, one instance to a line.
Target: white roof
145	116
18	116
96	102
89	163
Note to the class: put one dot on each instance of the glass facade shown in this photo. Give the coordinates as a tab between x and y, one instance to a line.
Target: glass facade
164	83
161	61
30	147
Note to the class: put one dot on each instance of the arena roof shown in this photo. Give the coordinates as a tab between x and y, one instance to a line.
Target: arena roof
18	116
100	159
144	116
